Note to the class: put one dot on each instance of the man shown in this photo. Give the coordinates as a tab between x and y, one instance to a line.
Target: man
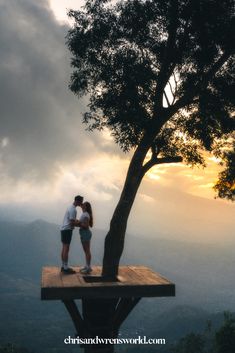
67	227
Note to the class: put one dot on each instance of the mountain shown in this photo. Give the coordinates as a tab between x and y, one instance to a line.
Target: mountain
203	276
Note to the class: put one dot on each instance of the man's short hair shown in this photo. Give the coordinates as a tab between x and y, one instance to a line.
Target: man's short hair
78	198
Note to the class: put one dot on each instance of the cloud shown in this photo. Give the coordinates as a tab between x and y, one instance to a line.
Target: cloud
40	118
167	211
60	8
45	153
196	181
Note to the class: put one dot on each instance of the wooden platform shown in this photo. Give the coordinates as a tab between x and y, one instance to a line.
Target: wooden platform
133	281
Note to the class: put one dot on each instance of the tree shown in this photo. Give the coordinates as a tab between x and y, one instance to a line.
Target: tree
158	74
193	343
220	341
225	336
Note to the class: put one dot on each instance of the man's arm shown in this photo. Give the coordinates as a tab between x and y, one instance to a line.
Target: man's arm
72	218
75	222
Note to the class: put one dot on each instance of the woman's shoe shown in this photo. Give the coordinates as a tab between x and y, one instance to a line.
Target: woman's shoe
89	270
86	270
83	269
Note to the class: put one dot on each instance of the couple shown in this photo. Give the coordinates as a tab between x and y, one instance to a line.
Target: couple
84	223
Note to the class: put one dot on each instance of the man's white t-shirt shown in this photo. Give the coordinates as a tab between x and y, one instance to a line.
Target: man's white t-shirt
71	213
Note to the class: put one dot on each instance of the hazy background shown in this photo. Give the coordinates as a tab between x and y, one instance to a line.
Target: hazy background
47	157
204	278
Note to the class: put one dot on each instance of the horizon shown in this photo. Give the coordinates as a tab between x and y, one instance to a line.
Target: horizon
175	257
47	156
162	233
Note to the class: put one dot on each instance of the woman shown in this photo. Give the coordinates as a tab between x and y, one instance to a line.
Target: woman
85	222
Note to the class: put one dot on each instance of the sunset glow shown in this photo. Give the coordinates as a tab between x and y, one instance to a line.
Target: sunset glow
46	153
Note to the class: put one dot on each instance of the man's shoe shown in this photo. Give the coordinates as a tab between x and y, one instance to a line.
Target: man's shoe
68	271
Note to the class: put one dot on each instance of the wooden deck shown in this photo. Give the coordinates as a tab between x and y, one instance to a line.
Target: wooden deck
133	281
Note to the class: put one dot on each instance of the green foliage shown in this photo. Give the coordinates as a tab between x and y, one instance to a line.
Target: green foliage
222	341
225	336
191	343
162	69
226	184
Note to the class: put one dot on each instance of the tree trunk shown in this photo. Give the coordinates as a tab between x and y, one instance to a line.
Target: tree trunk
98	317
114	241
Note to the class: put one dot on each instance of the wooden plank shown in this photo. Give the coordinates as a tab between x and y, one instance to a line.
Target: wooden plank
144	277
51	277
96	271
130	277
150	276
80	279
124	275
127	292
97	275
107	292
71	280
140	276
128	274
133	281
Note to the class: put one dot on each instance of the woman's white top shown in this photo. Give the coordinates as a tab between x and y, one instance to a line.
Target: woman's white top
84	215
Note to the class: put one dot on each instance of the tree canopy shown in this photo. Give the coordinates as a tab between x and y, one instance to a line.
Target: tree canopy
160	68
160	75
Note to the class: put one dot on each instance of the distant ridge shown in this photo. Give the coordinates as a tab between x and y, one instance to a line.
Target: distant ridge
201	282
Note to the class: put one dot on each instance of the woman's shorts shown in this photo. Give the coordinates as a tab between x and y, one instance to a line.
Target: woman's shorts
85	235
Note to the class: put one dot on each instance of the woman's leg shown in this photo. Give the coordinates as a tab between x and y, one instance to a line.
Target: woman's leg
86	248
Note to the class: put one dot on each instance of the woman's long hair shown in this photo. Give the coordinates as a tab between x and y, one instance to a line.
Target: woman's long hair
89	211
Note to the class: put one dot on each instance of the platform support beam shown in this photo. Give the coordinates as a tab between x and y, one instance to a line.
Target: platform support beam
75	316
123	309
100	318
105	304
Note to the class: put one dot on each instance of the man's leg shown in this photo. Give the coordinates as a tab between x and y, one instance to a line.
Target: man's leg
66	236
65	255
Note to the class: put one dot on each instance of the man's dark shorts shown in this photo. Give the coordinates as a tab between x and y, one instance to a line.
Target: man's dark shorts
66	236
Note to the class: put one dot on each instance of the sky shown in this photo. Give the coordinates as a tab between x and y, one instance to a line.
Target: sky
47	156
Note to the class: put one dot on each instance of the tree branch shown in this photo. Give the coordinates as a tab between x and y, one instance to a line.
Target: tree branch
176	83
167	100
215	68
173	94
164	73
154	150
200	86
183	39
155	161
